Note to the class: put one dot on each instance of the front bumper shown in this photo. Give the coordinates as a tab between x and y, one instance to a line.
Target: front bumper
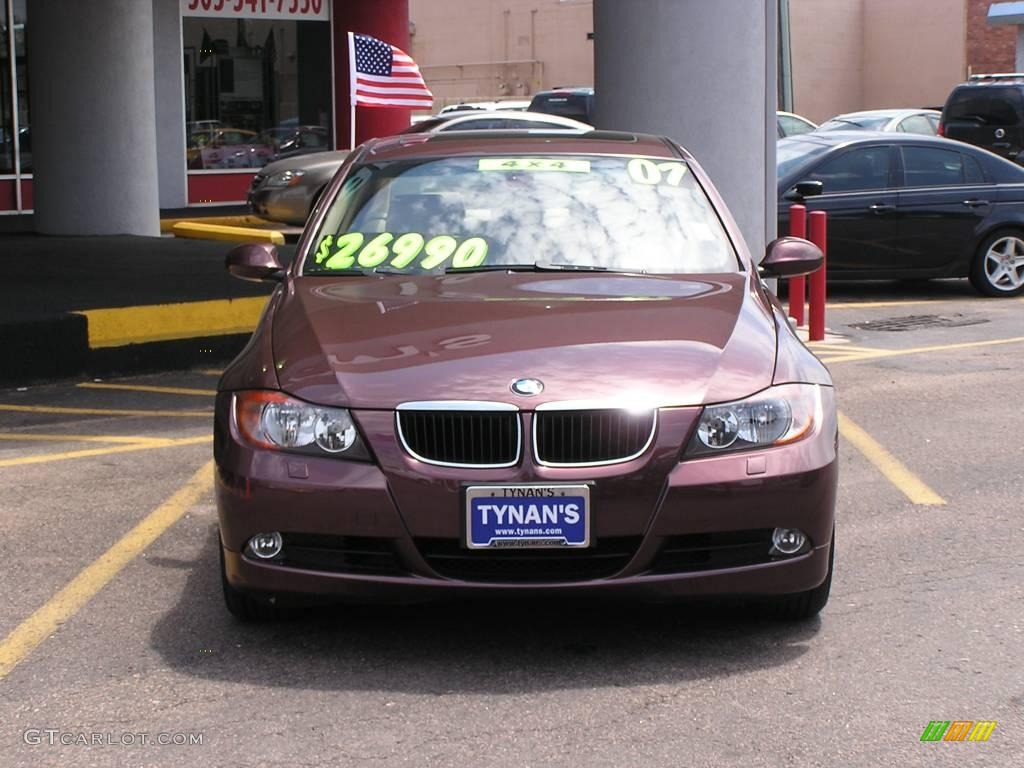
285	204
664	528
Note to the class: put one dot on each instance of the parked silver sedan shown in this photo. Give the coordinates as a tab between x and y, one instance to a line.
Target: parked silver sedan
286	190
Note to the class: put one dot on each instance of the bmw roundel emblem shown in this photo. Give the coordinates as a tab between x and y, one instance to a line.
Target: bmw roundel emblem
527	387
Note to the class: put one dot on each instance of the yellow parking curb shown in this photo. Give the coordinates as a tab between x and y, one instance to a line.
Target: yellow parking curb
202	231
237	220
164	322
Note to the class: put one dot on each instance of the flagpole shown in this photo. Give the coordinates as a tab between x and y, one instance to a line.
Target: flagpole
352	91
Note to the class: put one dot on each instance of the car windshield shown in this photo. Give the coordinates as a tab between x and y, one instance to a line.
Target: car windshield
855	123
632	214
793	154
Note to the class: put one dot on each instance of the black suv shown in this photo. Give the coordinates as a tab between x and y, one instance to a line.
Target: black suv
987	111
575	103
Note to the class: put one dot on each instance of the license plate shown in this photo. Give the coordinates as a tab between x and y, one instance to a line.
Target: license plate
527	516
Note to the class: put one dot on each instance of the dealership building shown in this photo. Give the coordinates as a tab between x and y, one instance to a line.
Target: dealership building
113	110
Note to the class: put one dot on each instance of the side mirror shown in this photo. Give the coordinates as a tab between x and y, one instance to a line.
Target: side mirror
791	257
805	189
256	262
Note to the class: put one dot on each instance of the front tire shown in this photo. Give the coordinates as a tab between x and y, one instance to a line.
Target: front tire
242	605
801	606
998	266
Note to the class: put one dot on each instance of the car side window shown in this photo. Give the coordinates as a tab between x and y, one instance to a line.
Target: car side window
792	127
931	167
854	171
476	125
972	171
917	124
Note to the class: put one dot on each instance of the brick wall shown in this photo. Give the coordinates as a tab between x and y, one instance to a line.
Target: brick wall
989	49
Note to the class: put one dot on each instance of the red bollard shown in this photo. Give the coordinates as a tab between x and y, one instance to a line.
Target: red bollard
818	236
797	288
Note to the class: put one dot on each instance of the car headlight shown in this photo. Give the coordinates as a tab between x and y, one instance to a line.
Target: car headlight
273	420
776	416
284	179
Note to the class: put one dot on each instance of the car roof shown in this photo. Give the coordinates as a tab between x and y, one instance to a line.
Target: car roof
981	81
525	142
883	113
575	89
852	138
867	137
463	116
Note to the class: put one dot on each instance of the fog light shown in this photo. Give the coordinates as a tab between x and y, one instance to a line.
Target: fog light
788	541
266	545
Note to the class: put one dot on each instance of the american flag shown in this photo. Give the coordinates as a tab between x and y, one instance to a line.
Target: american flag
386	76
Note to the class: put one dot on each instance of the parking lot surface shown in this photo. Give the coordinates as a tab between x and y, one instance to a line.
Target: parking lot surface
115	627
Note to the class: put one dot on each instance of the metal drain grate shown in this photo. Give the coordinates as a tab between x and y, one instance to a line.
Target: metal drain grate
914	322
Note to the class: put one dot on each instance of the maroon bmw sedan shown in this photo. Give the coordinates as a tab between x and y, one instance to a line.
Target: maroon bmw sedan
524	364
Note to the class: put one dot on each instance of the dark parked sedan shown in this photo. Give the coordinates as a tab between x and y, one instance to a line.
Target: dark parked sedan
903	206
524	364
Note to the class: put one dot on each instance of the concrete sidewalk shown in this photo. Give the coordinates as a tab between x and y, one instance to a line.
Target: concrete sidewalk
74	305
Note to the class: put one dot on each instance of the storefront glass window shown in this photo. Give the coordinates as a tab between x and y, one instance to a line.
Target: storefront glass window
14	96
256	90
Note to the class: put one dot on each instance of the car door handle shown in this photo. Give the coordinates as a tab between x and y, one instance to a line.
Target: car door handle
975	203
881	208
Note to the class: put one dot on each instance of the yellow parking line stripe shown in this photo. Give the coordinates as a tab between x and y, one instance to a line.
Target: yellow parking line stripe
909	484
840	348
36	437
27	636
907	303
148	388
884	353
49	457
120	326
880	304
56	409
210	371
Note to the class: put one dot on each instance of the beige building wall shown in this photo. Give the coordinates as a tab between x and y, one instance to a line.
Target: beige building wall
477	50
827	42
914	51
849	55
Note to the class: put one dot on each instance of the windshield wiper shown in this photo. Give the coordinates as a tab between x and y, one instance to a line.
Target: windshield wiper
364	271
537	266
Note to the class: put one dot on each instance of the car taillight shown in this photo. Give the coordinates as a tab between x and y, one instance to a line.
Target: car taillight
941	130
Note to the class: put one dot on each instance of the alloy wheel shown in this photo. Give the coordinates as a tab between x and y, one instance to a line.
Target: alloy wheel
1004	263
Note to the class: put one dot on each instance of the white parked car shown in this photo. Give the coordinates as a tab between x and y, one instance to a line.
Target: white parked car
474	120
921	121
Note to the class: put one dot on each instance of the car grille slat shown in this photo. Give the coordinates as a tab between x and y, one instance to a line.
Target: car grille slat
713	551
361	555
582	437
464	438
607	557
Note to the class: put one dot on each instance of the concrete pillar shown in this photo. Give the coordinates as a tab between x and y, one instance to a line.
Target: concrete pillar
704	74
387	20
93	117
169	90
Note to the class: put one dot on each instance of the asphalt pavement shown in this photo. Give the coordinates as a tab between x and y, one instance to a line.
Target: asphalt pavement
114	623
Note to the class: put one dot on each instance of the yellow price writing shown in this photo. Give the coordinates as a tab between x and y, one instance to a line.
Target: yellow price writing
353	248
644	171
532	164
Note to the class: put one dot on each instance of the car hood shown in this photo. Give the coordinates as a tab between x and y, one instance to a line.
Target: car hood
377	341
314	161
